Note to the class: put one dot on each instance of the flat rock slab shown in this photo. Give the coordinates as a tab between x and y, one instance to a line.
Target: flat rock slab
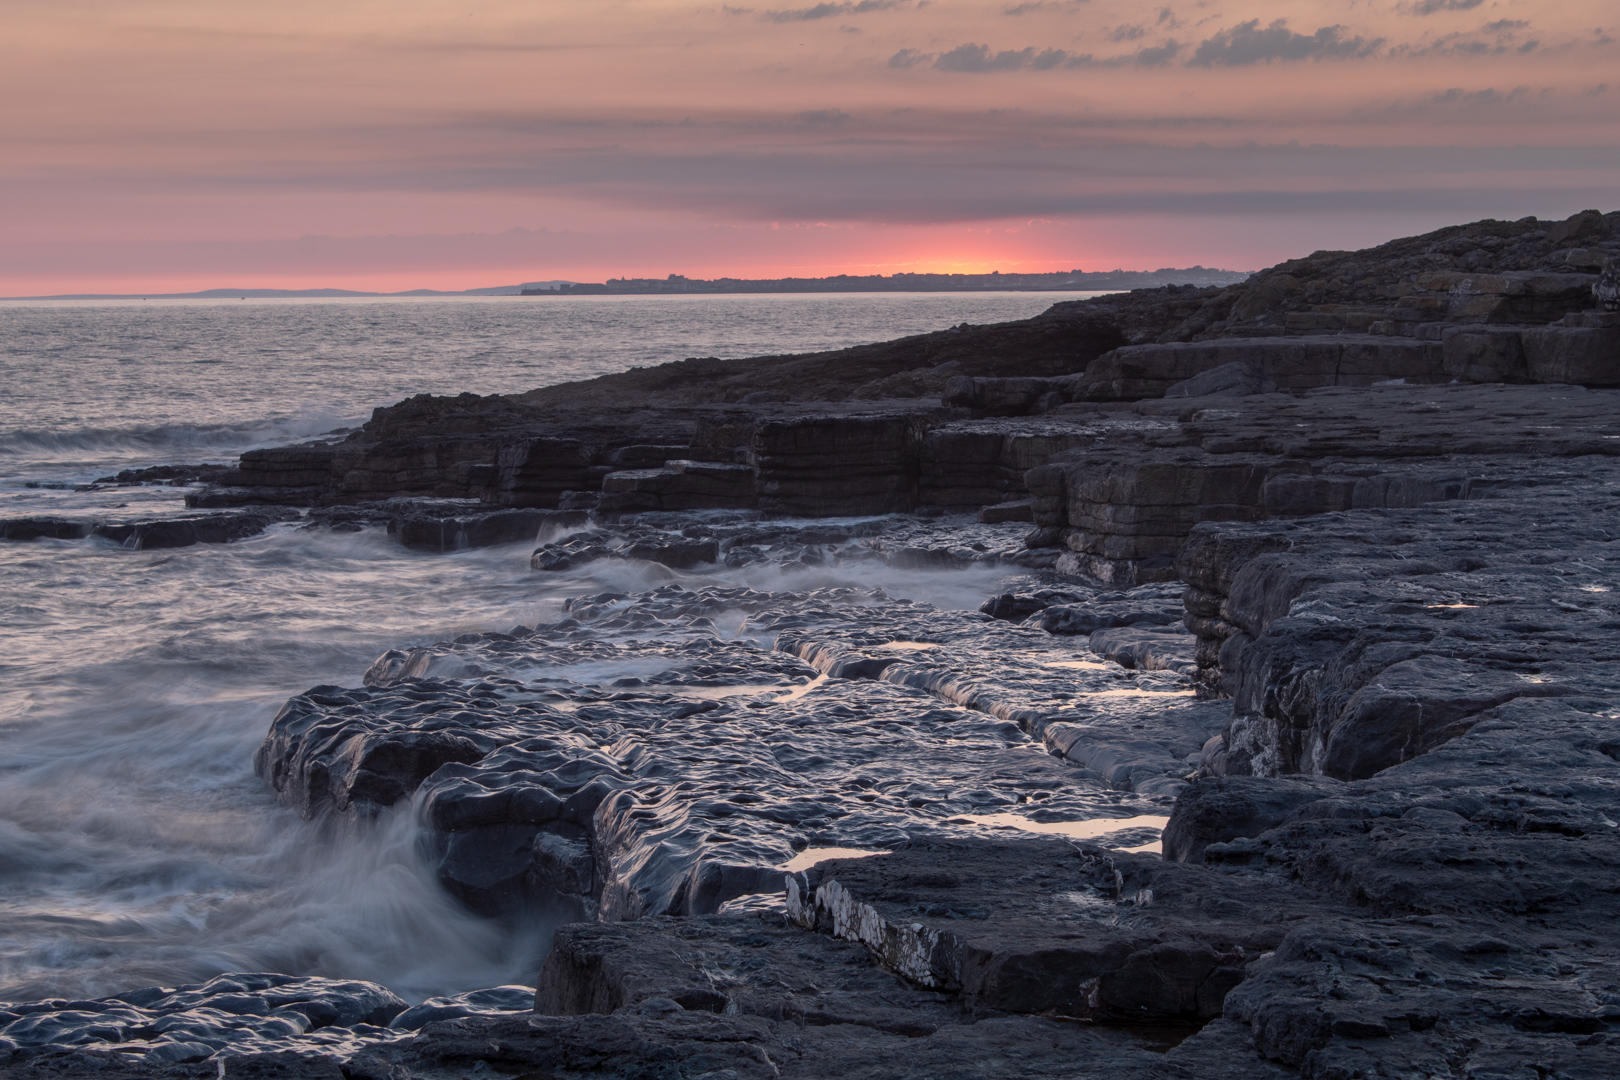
733	964
1141	730
173	532
547	769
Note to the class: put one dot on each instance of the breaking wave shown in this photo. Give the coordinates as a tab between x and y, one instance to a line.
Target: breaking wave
162	438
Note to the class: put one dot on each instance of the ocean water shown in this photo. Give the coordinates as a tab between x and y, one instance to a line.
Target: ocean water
137	847
92	384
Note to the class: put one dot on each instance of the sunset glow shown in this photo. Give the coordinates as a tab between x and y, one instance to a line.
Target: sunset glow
166	145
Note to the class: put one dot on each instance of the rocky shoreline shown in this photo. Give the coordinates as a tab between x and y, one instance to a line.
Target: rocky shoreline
1286	741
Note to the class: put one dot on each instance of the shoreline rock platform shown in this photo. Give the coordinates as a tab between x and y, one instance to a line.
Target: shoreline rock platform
1287	746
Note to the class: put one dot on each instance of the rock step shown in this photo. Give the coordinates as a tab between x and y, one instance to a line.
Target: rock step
1041	926
156	533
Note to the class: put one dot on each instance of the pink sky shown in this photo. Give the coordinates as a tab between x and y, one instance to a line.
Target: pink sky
168	146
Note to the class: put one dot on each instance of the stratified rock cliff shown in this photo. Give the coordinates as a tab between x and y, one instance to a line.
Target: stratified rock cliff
1488	302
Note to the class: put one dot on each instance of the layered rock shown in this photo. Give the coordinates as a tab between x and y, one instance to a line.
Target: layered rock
840	465
1466	883
153	533
1354	642
1123	508
1471	303
679	484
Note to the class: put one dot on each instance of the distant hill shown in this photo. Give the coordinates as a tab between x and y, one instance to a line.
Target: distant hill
1059	281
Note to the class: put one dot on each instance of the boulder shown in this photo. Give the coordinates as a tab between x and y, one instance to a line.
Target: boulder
679	553
1088	618
1007	511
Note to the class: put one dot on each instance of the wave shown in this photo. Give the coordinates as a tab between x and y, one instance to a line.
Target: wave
158	438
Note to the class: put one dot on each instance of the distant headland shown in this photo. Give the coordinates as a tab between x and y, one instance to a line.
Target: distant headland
1057	281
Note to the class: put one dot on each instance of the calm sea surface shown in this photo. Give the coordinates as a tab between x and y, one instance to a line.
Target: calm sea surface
136	845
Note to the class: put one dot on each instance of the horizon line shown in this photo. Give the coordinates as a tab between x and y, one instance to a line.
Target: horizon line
317	292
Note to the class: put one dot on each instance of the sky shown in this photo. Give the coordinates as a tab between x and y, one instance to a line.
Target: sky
171	145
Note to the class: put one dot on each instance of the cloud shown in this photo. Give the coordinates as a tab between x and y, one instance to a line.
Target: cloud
1430	7
829	10
1128	33
1247	43
1036	5
979	58
1503	32
822	117
1158	56
1488	96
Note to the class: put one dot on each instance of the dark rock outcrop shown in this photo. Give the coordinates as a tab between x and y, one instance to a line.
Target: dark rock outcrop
1472	302
44	528
1354	642
429	532
1124	507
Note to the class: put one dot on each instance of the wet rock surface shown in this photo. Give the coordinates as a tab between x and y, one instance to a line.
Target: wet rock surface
247	1013
667	752
686	542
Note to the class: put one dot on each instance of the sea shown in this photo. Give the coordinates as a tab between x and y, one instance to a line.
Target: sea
137	847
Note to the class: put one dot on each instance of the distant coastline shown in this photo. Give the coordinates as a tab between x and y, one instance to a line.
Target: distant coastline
996	281
294	294
676	284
